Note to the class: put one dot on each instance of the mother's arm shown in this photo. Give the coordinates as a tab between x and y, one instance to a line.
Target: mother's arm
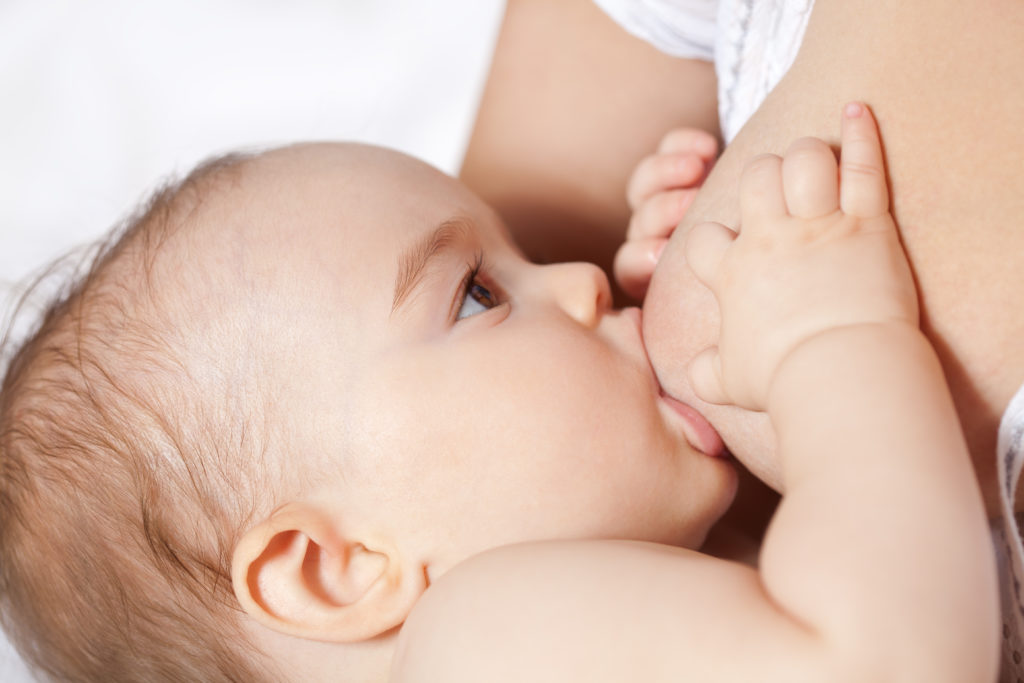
572	103
946	80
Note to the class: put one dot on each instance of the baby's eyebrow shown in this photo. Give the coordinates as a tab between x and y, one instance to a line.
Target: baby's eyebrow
413	262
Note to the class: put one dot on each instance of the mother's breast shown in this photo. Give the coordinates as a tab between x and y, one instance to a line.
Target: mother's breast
946	82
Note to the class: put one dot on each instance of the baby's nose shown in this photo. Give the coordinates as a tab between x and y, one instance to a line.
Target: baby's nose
581	289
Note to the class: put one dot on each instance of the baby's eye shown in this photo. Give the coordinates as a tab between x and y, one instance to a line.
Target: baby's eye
476	299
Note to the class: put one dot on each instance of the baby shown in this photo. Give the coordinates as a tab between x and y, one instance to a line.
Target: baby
304	386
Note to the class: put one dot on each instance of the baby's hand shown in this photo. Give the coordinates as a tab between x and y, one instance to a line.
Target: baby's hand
817	251
660	191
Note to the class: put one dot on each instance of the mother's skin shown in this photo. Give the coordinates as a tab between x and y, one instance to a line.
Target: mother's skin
946	81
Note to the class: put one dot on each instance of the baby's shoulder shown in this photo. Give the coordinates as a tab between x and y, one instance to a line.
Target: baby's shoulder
517	610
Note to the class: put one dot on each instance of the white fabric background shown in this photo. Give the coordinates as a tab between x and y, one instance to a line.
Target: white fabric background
100	100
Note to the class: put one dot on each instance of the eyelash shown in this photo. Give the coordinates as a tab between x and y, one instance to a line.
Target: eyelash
471	278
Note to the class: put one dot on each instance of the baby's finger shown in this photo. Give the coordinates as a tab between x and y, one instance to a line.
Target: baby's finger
810	179
761	193
660	172
634	264
863	192
700	142
705	246
705	372
659	215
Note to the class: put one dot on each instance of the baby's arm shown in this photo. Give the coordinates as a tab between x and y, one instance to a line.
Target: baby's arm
878	564
881	536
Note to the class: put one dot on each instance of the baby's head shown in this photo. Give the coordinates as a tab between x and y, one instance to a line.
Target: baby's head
300	387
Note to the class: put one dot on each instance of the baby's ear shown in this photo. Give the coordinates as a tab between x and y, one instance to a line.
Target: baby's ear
296	572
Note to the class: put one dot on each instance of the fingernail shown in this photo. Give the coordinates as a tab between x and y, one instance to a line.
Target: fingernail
657	251
687	163
706	146
853	110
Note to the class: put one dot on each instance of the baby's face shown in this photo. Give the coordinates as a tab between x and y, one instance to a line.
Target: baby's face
448	387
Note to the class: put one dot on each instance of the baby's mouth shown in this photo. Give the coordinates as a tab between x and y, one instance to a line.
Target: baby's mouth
696	427
698	430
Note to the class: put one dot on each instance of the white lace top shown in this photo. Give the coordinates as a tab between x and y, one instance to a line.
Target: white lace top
1006	534
756	43
681	28
752	42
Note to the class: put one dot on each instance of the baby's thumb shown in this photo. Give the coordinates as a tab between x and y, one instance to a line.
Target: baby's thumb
705	373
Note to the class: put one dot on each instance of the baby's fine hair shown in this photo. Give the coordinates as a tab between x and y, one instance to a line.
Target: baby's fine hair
130	458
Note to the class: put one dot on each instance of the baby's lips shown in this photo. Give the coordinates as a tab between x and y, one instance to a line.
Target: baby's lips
698	430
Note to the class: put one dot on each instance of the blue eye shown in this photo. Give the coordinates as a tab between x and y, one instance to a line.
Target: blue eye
475	299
